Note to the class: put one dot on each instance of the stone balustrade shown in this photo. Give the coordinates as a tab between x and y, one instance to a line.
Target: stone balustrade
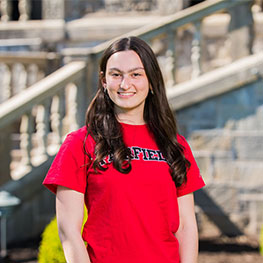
183	51
21	70
24	9
45	112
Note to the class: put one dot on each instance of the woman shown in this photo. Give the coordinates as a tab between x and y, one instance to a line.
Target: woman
130	167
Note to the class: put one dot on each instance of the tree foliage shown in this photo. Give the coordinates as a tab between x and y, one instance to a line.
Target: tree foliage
50	250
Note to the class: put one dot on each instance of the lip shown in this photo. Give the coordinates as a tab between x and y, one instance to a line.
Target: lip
125	94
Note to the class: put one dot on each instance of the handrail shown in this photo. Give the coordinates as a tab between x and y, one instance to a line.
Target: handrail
20	70
42	115
224	79
38	58
16	106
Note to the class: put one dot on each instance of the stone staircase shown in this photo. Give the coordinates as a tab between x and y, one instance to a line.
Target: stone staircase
231	161
42	114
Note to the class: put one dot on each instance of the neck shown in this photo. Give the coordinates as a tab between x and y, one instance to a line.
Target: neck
134	117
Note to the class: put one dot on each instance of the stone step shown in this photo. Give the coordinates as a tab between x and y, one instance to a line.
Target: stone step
244	144
221	166
242	204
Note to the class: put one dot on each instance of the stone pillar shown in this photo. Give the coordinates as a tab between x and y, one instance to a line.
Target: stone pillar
241	29
53	9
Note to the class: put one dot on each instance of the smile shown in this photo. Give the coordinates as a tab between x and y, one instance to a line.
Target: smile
126	94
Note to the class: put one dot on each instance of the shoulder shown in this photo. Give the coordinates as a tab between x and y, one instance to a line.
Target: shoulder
79	135
75	139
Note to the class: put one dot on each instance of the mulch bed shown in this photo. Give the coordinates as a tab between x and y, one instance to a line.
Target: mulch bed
213	249
219	249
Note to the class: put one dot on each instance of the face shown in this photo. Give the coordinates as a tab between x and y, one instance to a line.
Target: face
126	82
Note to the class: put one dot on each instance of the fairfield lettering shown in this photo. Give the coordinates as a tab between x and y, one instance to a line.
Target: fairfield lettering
138	153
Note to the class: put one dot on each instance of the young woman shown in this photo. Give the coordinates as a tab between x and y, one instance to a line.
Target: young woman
130	167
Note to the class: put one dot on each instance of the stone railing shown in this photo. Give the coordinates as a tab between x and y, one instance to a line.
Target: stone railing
41	115
22	69
24	9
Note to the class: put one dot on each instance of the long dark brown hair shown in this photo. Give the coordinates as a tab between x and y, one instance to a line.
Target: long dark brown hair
105	129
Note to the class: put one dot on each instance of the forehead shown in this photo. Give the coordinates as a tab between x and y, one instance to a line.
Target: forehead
124	60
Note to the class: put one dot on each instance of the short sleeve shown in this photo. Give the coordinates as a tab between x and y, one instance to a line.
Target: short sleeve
194	179
69	166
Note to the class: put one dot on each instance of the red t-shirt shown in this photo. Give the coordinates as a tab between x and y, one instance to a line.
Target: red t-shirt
132	217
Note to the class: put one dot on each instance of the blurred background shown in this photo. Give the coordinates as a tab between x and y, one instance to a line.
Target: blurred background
211	56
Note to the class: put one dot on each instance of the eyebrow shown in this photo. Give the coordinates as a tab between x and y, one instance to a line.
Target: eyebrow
131	70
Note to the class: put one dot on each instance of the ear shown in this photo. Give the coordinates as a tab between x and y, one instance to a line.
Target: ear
102	79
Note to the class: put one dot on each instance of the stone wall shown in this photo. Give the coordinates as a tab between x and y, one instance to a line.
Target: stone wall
218	111
226	134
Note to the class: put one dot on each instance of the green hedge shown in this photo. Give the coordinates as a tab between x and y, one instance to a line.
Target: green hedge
50	249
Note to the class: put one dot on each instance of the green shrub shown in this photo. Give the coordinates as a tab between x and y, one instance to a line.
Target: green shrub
50	250
261	241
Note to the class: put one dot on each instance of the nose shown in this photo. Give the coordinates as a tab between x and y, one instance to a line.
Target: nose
125	82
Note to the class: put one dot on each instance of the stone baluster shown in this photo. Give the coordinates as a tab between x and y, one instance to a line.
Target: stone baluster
26	130
70	122
5	10
5	81
170	60
196	51
32	74
40	153
19	78
56	123
24	10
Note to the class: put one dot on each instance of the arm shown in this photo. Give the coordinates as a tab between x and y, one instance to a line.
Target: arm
187	234
69	210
